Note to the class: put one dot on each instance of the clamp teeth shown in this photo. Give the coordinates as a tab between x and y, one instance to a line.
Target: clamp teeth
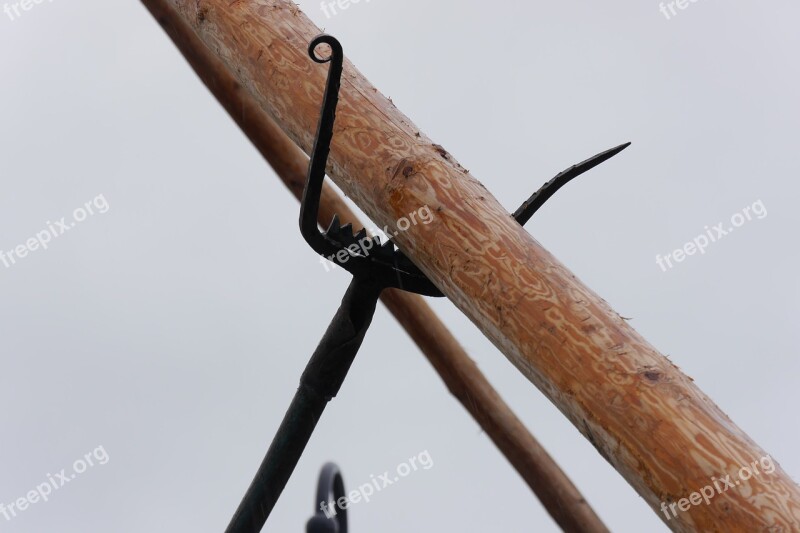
381	252
344	234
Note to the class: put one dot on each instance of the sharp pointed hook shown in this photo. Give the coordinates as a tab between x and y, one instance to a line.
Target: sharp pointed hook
532	204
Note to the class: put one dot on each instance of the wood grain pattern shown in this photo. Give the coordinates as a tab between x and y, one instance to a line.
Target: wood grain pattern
641	413
562	500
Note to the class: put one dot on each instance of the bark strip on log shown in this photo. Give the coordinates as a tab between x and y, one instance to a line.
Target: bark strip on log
640	411
562	500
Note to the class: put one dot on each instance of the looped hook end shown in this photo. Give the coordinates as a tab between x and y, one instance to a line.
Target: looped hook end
330	40
309	205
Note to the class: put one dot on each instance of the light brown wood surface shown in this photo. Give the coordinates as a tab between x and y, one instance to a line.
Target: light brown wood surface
641	412
562	500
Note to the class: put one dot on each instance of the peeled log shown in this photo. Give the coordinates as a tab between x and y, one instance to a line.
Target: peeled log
642	414
559	496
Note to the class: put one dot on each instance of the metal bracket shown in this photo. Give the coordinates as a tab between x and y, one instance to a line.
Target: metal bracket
384	266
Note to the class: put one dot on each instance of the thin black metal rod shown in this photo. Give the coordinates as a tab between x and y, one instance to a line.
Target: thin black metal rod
320	382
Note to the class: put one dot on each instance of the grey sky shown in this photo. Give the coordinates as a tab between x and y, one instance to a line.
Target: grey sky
168	329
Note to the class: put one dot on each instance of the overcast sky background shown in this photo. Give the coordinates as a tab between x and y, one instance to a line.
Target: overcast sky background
172	329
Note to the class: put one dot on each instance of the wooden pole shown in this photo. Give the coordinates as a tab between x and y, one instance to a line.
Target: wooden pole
641	412
562	500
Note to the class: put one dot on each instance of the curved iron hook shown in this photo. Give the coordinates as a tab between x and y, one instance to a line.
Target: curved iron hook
309	205
528	208
329	489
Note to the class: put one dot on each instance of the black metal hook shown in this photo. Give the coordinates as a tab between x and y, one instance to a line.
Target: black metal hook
375	268
373	259
330	517
530	206
309	204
